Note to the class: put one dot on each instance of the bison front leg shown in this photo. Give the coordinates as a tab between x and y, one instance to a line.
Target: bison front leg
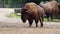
30	22
36	21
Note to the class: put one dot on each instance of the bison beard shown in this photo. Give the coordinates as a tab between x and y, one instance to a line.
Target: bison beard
23	19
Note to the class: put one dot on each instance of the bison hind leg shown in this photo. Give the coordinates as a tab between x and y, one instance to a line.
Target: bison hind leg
36	21
41	22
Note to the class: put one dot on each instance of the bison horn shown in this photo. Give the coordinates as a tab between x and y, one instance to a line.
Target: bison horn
27	11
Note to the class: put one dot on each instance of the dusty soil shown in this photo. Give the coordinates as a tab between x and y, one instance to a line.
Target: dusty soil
16	26
23	28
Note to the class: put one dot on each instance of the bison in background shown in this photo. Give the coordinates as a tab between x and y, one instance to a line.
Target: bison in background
32	11
50	8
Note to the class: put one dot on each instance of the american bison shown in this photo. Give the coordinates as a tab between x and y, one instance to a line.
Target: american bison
32	11
51	9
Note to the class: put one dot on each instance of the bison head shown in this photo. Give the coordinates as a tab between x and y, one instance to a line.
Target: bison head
24	15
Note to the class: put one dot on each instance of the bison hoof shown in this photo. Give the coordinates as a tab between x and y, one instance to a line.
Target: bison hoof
36	25
30	26
41	25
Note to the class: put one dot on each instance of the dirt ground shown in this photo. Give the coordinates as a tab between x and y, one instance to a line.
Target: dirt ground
29	31
23	28
16	26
